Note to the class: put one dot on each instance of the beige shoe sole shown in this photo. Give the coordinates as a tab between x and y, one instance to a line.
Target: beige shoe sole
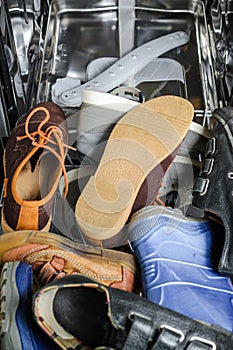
140	141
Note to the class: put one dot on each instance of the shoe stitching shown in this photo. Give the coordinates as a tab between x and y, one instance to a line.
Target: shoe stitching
124	278
38	254
34	250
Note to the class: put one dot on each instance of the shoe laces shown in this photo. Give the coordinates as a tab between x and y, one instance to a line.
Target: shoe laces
41	139
46	272
159	201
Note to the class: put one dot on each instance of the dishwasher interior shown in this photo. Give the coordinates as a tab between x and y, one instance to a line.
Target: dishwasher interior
51	48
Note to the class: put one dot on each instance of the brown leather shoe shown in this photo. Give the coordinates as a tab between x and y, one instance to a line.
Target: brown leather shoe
53	256
33	162
139	150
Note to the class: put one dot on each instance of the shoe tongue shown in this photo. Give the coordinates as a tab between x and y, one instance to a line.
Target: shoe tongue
34	160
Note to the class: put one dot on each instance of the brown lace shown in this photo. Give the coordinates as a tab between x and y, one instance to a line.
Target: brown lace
49	271
45	138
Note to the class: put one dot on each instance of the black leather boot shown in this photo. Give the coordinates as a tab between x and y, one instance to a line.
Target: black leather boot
80	313
213	190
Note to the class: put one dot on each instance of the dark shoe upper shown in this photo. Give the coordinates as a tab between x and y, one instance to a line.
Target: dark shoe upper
82	311
30	157
213	189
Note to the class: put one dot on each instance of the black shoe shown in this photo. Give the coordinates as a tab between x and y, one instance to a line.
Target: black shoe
213	190
77	312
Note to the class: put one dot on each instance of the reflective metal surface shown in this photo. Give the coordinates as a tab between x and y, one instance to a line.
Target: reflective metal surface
27	19
221	33
12	94
81	31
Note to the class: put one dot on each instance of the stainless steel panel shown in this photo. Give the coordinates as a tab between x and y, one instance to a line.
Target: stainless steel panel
80	31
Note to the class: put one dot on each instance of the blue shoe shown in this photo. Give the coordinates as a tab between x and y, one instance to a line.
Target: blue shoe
176	257
19	330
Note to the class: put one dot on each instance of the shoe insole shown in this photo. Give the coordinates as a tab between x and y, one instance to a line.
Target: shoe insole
34	183
139	142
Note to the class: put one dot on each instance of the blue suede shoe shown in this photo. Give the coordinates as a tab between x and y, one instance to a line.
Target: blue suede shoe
19	331
178	258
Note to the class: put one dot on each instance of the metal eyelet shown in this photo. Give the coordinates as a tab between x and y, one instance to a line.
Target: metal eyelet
205	188
207	166
210	147
132	315
204	341
230	175
174	330
200	186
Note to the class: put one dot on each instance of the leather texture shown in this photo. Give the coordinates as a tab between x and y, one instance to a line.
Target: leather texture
58	257
214	188
131	321
16	150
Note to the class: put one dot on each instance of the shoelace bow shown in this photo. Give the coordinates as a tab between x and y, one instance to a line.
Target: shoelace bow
41	138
